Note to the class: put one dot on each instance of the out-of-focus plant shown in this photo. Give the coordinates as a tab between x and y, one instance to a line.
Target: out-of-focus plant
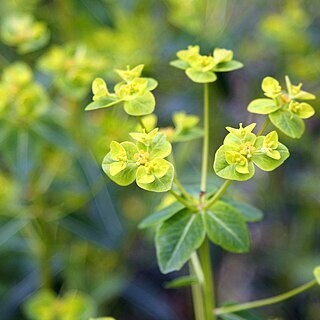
45	305
22	99
73	67
185	227
23	32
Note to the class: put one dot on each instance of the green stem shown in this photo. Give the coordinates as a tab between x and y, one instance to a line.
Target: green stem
264	126
266	302
177	182
197	296
218	194
185	202
204	250
197	267
141	123
205	150
181	188
208	291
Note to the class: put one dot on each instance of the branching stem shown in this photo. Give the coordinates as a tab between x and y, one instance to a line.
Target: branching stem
266	302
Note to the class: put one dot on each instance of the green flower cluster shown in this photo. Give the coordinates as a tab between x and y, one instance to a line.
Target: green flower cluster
134	91
22	99
142	161
284	107
242	149
73	68
201	68
22	31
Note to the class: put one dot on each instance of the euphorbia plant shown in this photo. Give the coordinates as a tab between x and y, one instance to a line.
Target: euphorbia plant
185	228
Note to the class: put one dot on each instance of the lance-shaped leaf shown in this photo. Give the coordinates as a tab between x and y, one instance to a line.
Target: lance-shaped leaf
263	106
177	238
185	281
101	103
248	212
289	123
227	228
161	215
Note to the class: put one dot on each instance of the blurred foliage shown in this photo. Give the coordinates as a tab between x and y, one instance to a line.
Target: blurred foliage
65	228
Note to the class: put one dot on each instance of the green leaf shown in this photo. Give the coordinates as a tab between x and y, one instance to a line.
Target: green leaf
10	229
185	281
159	184
141	105
241	315
104	102
200	76
180	64
266	163
248	212
228	171
177	238
226	227
162	215
288	123
227	66
263	106
316	273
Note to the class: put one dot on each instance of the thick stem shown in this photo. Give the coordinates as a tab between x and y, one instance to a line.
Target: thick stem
266	302
208	290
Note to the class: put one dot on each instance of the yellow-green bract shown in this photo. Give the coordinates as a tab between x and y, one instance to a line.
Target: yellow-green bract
284	107
201	68
133	91
241	149
142	162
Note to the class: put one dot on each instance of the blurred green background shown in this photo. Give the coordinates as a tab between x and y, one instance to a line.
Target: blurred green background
65	227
